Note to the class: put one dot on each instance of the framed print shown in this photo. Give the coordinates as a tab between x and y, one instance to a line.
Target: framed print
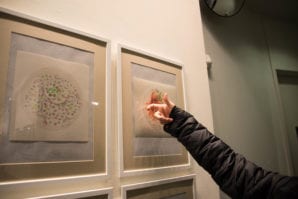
173	188
145	145
89	194
53	104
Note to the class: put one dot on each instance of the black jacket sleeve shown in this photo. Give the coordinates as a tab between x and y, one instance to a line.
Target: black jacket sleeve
235	175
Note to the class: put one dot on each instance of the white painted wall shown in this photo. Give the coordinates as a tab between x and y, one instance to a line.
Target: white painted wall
245	50
169	28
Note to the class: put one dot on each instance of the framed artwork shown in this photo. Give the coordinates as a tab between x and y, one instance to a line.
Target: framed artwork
173	188
53	104
144	144
89	194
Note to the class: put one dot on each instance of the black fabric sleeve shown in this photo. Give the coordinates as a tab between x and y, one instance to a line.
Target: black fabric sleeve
235	175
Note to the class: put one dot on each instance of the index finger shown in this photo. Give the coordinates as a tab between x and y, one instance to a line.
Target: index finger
153	106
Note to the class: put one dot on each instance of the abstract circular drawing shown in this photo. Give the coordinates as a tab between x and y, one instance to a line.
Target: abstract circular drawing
53	97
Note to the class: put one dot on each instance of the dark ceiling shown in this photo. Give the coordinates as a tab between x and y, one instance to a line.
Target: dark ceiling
282	9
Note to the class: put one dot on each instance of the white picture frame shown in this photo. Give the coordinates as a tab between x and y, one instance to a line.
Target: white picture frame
141	186
123	170
50	181
108	192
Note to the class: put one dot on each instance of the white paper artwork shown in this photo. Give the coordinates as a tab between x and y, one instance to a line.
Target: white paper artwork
49	99
149	132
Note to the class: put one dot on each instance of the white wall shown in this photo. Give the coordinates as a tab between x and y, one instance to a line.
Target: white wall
169	28
245	50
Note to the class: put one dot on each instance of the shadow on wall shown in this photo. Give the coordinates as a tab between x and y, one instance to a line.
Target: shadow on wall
241	82
233	33
240	31
244	50
233	41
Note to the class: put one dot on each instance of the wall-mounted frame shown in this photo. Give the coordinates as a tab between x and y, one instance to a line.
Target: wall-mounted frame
54	104
106	193
143	144
172	188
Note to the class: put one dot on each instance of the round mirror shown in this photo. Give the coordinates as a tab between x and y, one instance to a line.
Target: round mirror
225	8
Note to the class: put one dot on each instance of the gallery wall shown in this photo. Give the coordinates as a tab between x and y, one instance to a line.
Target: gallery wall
283	51
169	29
245	51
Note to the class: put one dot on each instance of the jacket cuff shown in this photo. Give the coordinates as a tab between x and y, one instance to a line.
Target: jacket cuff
176	114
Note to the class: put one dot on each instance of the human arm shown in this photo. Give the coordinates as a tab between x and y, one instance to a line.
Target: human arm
235	175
